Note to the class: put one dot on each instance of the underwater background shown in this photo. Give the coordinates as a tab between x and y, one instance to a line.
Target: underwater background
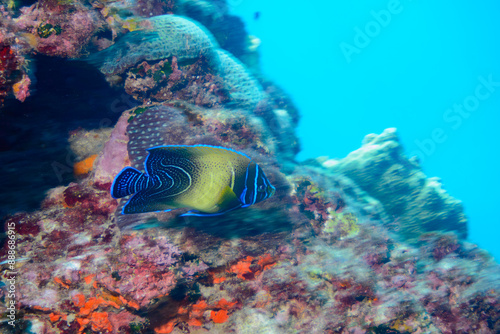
425	58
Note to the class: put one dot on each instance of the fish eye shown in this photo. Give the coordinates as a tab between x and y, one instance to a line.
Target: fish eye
261	188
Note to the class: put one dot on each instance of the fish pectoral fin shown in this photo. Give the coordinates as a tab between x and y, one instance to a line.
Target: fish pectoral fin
227	200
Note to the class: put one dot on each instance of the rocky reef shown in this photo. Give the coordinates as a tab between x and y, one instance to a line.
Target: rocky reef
366	244
419	204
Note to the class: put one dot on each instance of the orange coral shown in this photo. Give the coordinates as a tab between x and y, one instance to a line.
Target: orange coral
130	303
242	267
266	262
82	323
93	303
88	279
194	322
198	308
219	317
218	280
36	307
79	300
54	317
100	322
133	305
85	166
193	315
224	304
166	328
60	281
182	310
114	301
216	277
88	307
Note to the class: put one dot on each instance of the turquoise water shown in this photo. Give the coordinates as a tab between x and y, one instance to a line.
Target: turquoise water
412	66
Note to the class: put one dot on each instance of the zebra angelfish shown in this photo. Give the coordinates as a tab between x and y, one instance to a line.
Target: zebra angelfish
211	180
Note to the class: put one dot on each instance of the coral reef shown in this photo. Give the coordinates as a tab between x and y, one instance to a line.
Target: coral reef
419	204
58	28
317	257
366	244
14	78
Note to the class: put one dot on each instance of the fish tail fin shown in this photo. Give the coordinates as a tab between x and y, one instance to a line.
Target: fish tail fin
127	182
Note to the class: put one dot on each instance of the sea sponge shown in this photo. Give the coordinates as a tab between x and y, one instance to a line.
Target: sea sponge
85	166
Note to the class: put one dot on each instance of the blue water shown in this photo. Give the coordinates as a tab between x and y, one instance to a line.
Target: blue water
421	59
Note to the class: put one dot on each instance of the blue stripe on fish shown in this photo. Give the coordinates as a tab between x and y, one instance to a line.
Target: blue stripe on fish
248	195
201	214
244	192
255	184
128	182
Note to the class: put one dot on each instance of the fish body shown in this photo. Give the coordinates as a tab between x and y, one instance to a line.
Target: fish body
211	180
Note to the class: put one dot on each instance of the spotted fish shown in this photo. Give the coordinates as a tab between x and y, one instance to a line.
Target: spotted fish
211	180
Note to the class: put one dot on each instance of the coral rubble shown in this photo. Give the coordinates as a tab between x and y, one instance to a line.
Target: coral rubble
366	244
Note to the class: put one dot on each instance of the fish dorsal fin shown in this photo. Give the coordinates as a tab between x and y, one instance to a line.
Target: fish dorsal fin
188	151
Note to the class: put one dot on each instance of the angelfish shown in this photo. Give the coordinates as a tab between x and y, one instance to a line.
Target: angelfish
209	179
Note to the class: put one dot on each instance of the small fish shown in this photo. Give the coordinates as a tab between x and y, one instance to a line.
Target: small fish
212	180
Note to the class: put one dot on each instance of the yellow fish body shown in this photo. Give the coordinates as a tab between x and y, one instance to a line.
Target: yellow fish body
211	180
